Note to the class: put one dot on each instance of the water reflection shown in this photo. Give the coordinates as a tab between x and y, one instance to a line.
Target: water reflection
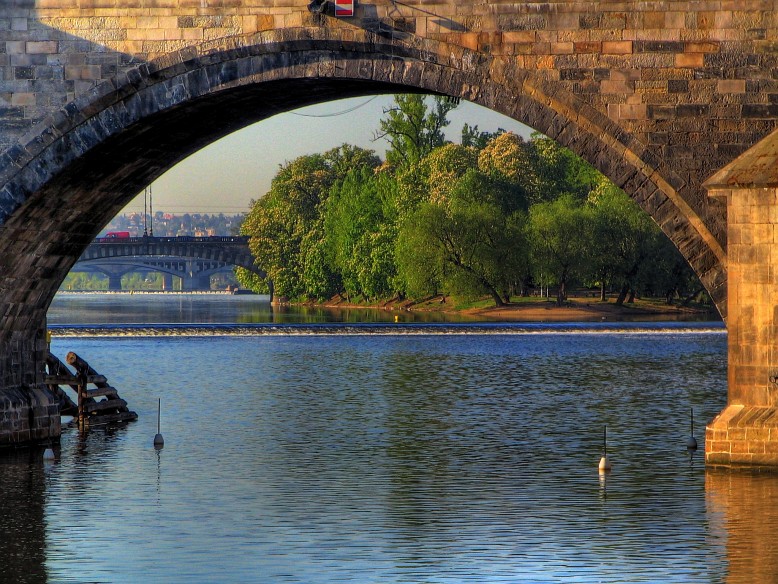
89	309
426	458
742	511
23	497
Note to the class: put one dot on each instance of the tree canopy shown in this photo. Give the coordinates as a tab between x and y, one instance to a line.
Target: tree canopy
492	216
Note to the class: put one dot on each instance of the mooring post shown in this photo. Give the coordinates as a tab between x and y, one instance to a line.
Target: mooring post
81	400
82	371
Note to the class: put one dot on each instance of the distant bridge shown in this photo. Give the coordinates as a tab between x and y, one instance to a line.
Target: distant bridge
193	259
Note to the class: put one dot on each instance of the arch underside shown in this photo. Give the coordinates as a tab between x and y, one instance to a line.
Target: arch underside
82	167
174	254
172	266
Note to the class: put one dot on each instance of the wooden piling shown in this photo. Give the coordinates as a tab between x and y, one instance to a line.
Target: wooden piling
89	411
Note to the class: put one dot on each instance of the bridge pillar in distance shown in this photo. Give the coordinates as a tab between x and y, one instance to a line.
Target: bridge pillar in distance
746	431
203	282
194	278
167	282
114	282
188	280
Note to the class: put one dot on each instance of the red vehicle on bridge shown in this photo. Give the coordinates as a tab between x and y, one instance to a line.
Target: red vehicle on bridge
116	235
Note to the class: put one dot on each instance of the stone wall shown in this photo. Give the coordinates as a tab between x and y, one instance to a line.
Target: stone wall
28	415
693	80
28	412
746	432
97	100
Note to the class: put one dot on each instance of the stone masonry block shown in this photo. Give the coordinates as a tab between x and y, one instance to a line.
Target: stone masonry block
689	60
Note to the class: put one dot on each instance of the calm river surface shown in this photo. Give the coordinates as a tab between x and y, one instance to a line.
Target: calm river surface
385	453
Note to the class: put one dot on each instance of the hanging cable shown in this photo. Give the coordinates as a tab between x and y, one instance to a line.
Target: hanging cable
335	114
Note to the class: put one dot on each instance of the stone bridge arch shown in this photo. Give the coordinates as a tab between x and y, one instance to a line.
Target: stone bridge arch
222	249
174	256
72	174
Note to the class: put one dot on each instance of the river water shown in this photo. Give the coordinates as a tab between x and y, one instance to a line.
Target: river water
381	452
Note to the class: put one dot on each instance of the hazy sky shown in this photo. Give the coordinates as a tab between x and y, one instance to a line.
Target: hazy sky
226	175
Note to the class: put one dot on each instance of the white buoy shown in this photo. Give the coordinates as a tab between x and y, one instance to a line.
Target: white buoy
48	454
605	463
691	442
159	441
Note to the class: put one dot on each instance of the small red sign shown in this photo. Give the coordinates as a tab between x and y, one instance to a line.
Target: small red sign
344	7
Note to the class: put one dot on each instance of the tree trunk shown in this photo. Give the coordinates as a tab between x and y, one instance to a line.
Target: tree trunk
561	294
622	295
602	291
690	297
497	300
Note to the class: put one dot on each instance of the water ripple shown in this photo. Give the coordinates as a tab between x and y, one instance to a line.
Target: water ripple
333	329
394	458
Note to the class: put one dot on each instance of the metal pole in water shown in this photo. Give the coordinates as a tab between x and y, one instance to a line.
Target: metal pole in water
605	464
691	443
159	441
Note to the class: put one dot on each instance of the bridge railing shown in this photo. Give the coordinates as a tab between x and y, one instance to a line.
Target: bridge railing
177	239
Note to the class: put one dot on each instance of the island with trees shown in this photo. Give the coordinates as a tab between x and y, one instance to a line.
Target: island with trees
496	216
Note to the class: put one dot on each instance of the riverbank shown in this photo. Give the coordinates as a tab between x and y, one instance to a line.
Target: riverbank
541	310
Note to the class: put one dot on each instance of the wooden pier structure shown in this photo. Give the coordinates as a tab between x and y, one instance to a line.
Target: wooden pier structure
98	406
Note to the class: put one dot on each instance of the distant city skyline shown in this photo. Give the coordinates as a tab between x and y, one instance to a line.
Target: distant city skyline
225	176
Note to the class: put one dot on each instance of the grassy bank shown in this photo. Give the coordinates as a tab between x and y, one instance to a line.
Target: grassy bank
533	308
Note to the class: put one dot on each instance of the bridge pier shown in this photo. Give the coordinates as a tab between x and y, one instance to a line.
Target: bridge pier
28	411
188	279
746	432
203	282
194	279
167	282
115	282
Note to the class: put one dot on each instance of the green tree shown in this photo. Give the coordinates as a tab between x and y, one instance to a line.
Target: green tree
360	230
319	278
668	275
252	281
560	171
472	137
625	239
276	231
413	129
508	158
473	240
286	226
560	233
420	265
84	281
346	157
443	168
